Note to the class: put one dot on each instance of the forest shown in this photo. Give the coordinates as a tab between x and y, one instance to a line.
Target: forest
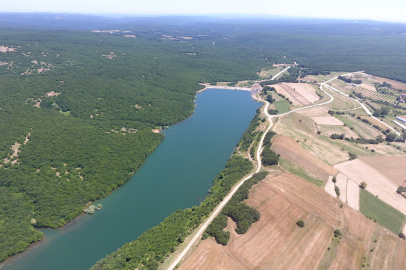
79	106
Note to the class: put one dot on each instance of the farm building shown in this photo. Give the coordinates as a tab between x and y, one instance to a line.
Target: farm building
401	119
399	124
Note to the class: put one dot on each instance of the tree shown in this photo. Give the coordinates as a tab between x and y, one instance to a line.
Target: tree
334	179
402	235
390	137
300	223
363	185
270	99
337	233
337	190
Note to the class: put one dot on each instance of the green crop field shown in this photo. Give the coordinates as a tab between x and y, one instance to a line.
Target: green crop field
384	214
282	106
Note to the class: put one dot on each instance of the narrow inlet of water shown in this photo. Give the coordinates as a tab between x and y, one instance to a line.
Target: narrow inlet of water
176	176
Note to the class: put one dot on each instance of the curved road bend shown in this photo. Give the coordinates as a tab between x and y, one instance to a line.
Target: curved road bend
258	155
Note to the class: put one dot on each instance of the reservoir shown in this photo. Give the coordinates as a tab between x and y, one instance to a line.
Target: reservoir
176	176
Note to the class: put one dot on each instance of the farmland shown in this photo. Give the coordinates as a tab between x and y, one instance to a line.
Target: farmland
276	242
393	167
377	184
383	213
292	151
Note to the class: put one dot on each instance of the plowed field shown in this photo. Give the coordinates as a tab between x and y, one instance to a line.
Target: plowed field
292	151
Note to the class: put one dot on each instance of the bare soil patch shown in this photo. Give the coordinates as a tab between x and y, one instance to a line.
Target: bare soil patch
377	183
327	120
52	94
132	36
306	90
110	56
393	167
292	151
5	49
155	130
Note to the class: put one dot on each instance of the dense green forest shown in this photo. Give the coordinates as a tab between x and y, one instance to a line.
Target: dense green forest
151	248
82	104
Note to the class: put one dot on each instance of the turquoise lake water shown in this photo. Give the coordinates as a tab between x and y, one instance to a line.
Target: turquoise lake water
176	176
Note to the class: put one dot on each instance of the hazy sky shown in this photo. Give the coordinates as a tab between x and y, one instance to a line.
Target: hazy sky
387	10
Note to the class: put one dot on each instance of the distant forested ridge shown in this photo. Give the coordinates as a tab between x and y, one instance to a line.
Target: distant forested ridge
77	107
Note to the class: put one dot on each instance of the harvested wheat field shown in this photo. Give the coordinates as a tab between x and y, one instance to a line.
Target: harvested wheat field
393	167
298	96
289	149
306	90
377	183
276	242
209	255
327	120
275	239
354	244
389	252
280	90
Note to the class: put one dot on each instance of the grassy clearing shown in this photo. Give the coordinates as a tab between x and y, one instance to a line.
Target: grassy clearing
294	169
282	106
269	72
359	150
330	254
384	214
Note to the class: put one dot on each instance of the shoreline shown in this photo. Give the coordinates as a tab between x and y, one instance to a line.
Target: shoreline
207	86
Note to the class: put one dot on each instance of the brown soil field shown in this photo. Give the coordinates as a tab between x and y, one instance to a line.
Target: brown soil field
292	151
280	90
395	84
377	183
389	253
276	242
327	120
295	94
306	90
209	255
393	167
275	239
357	235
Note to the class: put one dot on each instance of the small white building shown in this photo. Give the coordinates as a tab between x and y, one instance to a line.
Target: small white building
401	119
